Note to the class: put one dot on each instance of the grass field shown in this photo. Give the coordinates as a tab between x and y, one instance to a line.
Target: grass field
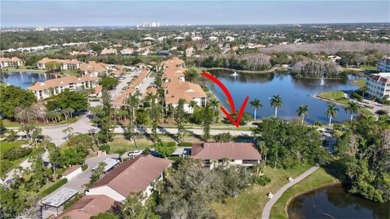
250	203
121	145
360	82
6	146
332	95
316	180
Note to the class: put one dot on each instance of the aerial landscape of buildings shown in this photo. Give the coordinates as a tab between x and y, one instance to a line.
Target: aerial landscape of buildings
123	120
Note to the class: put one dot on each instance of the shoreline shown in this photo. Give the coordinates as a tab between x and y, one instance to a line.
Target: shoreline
307	191
23	70
243	71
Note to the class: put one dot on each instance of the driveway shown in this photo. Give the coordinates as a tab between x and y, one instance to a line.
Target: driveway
57	135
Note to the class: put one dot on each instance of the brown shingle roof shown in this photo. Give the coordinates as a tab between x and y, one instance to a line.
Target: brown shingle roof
93	66
88	206
134	175
13	59
61	82
70	170
218	151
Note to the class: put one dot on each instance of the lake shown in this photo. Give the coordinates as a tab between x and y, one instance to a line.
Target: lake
26	79
334	202
293	92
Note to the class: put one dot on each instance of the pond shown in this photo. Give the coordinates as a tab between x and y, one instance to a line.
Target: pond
293	92
26	79
334	202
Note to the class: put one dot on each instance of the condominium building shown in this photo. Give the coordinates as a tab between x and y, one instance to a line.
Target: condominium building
11	62
378	85
46	89
384	65
63	64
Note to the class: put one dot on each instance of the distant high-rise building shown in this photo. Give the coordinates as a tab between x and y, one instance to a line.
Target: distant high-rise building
39	29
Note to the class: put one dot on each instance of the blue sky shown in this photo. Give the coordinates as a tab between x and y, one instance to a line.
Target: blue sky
16	13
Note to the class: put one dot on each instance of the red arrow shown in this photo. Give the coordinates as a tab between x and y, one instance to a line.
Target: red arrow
230	99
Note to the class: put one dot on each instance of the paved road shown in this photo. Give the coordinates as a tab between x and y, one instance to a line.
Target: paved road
192	131
145	84
57	135
122	84
279	193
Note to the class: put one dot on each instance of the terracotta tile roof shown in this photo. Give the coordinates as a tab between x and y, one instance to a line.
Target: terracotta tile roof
61	82
134	175
98	89
218	151
13	59
70	170
183	90
63	61
88	206
93	66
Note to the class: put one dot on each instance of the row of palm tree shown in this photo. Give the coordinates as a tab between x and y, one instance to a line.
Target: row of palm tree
331	111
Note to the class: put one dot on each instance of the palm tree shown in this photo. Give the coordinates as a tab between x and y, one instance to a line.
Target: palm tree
302	111
256	104
352	108
192	105
214	104
331	112
276	102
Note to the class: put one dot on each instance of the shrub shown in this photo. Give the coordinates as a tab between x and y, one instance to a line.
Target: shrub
356	96
105	148
84	167
261	180
16	153
52	188
381	112
165	148
185	144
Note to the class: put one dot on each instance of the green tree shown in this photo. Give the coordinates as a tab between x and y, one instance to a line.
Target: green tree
206	122
352	107
302	111
105	134
331	112
98	172
78	101
179	119
108	82
214	103
12	97
255	104
276	102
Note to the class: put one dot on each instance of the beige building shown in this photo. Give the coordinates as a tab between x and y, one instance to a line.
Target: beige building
177	88
64	64
378	85
46	89
11	62
93	68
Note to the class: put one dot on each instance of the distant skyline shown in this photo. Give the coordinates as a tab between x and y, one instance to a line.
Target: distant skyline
48	13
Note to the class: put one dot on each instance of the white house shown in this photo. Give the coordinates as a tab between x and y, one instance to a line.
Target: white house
214	154
64	64
72	172
138	175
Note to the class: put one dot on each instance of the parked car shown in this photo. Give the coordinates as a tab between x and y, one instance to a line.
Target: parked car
134	153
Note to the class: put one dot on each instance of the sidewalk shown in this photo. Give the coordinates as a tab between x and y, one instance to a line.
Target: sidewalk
267	209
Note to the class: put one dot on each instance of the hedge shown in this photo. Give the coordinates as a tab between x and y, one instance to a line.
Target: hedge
16	153
185	144
54	187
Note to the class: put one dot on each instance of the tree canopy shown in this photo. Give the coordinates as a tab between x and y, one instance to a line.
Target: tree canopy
12	97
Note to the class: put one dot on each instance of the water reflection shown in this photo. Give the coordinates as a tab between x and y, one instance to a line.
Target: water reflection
335	202
293	92
26	79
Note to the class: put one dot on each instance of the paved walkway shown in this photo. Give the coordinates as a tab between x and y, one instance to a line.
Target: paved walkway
267	209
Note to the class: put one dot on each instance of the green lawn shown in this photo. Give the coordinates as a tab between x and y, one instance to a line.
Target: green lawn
121	145
70	72
316	180
250	203
360	82
23	69
332	95
6	146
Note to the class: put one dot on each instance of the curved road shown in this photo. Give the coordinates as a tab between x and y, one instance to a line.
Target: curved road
267	209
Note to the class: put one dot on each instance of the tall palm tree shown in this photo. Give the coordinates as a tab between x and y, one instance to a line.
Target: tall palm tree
276	102
256	104
352	107
331	112
214	103
302	111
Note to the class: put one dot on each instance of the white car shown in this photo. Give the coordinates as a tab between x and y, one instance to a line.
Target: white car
134	153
